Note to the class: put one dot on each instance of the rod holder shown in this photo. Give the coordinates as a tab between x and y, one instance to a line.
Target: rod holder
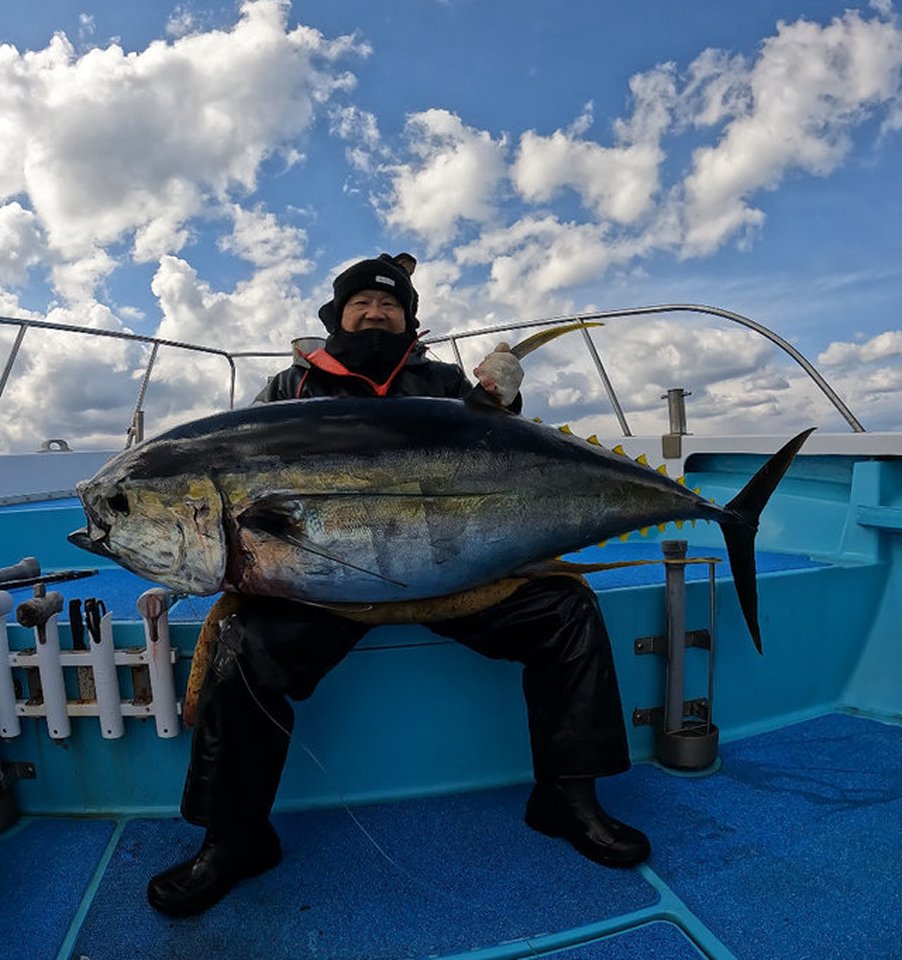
9	720
153	605
686	739
44	665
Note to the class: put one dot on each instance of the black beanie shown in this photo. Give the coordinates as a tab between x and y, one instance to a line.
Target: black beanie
378	274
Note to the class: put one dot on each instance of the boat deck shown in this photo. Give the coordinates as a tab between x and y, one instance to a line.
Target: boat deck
790	848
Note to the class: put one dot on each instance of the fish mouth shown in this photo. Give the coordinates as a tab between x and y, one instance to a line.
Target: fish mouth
88	540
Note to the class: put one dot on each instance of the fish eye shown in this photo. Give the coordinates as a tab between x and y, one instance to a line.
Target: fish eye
118	502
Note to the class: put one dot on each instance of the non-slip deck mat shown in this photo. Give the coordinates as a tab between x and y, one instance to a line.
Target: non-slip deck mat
45	868
467	874
794	849
659	940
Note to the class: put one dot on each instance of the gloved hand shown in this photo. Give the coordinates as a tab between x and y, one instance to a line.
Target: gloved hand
500	375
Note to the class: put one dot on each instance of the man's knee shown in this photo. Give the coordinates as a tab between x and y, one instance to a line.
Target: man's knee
570	599
560	622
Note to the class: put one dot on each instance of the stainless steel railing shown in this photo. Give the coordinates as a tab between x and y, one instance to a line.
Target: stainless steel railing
135	428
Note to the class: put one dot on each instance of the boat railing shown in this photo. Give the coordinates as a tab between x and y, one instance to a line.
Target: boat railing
135	428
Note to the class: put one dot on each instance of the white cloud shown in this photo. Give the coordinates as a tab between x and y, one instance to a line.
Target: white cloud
77	279
361	128
193	311
84	393
181	22
21	243
454	176
352	123
616	183
884	346
86	26
152	138
258	237
803	96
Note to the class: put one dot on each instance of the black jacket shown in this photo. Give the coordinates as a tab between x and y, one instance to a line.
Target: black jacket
419	377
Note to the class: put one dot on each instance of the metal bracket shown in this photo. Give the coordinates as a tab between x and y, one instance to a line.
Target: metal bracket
10	772
647	716
658	645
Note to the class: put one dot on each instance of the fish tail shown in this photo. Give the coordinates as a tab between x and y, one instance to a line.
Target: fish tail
741	525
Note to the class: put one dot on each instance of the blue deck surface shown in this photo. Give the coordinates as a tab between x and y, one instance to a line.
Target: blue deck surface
791	850
794	848
458	873
45	870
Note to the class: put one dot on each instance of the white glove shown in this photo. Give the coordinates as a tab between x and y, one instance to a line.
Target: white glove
500	375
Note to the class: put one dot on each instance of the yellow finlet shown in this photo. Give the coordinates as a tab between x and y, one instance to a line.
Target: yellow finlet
663	469
662	527
624	537
601	543
536	419
642	459
594	441
682	480
619	451
643	532
679	524
566	429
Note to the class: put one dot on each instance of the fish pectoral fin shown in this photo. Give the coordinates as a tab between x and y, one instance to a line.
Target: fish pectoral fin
282	517
278	515
304	544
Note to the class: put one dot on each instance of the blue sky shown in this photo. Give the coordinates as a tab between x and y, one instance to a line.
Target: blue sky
200	171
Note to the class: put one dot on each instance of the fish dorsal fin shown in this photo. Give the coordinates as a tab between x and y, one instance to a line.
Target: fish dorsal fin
539	339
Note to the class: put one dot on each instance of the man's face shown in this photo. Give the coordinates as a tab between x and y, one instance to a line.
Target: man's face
373	310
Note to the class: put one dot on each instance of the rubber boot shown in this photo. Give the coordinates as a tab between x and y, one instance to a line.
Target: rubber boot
196	884
569	808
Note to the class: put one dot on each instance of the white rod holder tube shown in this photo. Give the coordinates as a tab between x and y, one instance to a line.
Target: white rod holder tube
9	721
153	605
106	681
53	684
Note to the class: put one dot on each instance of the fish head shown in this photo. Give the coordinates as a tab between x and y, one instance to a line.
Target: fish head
167	529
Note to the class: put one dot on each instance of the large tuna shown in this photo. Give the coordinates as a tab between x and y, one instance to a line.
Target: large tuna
384	500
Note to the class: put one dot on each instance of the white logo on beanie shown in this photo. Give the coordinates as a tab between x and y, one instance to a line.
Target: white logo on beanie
386	280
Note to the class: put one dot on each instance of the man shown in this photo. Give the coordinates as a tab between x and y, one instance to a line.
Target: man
274	649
